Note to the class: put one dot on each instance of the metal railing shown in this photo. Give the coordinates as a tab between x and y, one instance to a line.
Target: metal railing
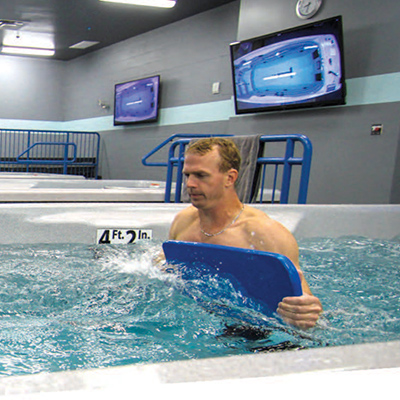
281	182
69	153
173	161
288	160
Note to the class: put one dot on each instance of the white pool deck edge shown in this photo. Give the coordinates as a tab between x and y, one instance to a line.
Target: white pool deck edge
371	369
47	189
323	371
78	222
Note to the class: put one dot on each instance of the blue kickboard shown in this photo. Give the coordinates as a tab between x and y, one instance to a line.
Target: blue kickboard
265	277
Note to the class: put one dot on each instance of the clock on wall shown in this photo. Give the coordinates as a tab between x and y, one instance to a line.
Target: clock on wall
307	8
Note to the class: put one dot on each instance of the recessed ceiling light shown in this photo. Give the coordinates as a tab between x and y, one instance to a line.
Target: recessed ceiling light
27	51
35	40
84	44
11	23
150	3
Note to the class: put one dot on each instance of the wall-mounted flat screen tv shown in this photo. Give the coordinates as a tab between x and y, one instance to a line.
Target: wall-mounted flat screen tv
295	68
137	101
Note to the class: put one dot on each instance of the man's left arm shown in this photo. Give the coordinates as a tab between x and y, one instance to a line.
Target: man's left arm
300	311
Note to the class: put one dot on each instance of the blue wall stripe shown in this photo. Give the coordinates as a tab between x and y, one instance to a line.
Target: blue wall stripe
205	112
375	89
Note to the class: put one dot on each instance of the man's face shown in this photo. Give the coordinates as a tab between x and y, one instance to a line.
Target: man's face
204	180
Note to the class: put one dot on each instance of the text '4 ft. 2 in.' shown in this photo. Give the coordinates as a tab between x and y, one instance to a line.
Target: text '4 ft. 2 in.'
123	236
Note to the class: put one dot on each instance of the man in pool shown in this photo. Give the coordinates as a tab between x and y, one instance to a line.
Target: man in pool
217	216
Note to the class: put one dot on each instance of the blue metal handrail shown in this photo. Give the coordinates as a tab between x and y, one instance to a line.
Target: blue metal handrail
35	148
288	161
65	161
169	140
174	161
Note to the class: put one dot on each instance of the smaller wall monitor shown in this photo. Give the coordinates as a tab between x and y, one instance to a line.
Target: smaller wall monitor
295	68
137	101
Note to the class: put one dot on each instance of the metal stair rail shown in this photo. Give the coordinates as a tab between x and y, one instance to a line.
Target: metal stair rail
288	160
69	153
281	182
178	142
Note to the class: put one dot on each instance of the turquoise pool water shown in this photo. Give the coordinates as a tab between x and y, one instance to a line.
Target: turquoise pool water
358	280
76	306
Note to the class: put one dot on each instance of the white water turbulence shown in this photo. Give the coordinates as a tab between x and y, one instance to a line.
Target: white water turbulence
66	307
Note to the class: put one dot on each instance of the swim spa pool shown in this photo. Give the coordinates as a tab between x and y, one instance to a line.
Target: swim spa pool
16	188
37	187
80	224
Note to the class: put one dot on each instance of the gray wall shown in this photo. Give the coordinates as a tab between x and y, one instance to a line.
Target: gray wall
349	165
189	55
31	89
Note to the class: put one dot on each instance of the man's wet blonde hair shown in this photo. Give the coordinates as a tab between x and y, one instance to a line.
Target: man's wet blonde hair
227	149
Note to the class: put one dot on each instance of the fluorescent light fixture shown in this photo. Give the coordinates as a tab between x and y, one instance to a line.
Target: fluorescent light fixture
84	44
150	3
34	40
11	23
27	51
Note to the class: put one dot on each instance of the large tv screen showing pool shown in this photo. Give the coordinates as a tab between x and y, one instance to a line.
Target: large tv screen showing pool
137	101
295	68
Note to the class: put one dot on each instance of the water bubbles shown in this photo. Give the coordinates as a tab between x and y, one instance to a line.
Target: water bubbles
74	306
361	282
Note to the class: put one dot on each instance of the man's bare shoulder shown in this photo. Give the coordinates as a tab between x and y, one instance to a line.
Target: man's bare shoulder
267	230
184	218
188	213
258	219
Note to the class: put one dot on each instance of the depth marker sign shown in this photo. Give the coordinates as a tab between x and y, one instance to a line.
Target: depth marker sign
123	236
